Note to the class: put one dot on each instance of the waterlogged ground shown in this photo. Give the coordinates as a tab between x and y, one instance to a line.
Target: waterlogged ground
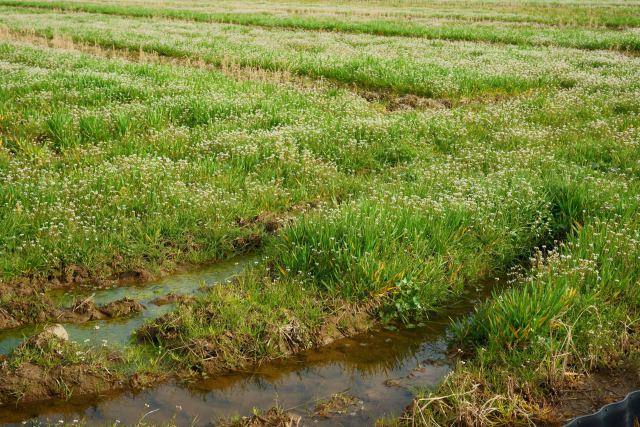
378	369
359	366
116	333
385	160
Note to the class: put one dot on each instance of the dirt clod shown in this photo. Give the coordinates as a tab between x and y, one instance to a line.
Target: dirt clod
413	102
22	311
169	299
47	366
337	404
274	417
244	243
395	102
86	310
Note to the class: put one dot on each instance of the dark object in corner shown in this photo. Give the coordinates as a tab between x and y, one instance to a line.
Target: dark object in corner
625	413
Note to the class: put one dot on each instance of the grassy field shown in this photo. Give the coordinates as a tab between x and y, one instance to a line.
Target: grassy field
381	156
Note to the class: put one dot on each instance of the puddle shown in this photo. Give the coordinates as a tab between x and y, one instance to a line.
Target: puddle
379	368
117	332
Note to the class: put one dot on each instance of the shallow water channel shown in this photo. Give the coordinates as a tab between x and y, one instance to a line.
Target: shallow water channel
116	332
379	368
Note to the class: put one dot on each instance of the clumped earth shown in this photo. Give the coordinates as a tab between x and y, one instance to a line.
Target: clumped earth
383	160
48	366
337	404
274	417
170	298
267	334
22	311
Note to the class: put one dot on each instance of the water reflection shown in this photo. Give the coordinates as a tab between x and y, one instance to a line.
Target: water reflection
380	368
117	332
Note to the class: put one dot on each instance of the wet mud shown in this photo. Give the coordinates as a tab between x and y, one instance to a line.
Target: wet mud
377	369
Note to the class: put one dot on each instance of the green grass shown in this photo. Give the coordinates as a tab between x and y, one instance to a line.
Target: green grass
598	14
148	188
452	71
459	31
107	165
574	313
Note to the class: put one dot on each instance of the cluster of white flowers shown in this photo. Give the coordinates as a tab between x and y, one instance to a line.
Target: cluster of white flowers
448	69
170	151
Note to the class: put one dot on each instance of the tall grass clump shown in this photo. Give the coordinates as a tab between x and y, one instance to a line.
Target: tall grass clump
59	127
375	250
402	252
576	311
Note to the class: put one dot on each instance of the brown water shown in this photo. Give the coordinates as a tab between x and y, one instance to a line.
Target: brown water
379	368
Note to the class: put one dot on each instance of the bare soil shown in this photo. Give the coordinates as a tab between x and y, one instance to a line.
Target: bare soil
86	310
591	393
30	383
395	102
170	298
45	371
21	312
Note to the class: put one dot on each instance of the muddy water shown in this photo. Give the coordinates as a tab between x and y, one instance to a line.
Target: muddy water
118	331
379	368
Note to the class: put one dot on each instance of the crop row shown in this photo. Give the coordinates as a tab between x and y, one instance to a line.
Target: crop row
447	70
